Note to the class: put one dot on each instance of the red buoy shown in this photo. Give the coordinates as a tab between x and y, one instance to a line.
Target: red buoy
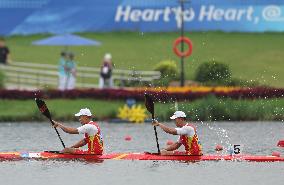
219	147
170	142
127	138
276	154
280	143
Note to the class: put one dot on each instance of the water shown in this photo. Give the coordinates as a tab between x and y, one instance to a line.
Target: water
255	137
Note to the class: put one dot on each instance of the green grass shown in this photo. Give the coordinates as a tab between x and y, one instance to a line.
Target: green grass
210	109
251	56
59	108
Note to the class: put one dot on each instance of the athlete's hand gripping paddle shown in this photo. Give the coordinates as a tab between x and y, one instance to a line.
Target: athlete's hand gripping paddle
44	110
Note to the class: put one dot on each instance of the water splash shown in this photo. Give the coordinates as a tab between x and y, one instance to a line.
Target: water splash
223	137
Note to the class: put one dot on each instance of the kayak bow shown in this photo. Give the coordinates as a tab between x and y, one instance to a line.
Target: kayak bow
136	156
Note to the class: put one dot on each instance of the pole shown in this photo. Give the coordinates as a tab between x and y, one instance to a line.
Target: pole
182	44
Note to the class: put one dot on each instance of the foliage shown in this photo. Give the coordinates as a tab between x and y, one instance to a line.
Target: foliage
212	108
168	70
216	74
138	94
213	72
209	108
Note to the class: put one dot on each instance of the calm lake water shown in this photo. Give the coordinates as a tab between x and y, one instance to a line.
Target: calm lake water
255	137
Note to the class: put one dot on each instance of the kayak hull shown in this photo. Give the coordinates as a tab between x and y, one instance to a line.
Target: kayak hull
135	156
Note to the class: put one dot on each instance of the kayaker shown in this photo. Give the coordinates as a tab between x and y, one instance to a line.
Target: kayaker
187	136
92	133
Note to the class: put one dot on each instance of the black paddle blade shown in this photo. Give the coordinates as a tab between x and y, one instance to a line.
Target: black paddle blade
149	104
43	108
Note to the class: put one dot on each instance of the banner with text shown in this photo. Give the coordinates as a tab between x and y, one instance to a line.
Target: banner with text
65	16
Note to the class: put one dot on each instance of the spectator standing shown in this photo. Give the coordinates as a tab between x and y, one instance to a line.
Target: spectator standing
106	72
71	71
4	52
62	71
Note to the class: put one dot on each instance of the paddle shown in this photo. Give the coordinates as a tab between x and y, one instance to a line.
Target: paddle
150	107
44	110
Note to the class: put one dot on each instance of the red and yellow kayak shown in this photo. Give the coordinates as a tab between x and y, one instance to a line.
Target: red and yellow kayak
136	156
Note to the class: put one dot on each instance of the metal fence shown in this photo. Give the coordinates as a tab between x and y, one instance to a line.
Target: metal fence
23	75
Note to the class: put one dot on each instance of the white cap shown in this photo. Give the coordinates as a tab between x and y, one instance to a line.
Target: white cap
178	114
107	57
84	112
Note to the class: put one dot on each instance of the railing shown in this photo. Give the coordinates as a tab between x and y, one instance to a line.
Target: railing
23	75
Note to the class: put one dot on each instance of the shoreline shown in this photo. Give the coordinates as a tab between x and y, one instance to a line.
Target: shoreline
205	109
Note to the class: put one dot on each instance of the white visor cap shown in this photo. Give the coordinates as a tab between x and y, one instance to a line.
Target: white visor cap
84	112
178	114
107	57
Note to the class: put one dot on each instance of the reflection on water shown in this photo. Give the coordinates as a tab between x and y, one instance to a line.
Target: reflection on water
256	138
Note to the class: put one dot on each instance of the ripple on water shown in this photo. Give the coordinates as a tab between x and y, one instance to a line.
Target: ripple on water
39	137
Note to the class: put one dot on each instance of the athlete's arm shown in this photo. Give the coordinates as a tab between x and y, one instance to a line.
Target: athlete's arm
66	129
79	144
173	147
167	129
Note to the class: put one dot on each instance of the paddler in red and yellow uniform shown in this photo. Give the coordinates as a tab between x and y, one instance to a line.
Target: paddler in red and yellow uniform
90	129
187	136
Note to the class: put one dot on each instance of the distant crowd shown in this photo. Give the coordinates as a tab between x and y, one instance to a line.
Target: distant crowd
67	71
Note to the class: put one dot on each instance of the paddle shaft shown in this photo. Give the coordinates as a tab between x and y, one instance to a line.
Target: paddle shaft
157	140
57	133
149	103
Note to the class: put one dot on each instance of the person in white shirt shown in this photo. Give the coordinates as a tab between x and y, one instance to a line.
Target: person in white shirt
90	129
187	136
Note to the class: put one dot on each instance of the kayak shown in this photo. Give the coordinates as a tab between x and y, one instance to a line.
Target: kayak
136	156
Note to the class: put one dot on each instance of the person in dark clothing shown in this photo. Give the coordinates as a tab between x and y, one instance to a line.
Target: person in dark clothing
106	72
4	52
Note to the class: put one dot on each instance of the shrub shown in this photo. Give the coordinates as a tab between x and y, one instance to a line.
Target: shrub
169	71
213	72
209	108
2	77
168	68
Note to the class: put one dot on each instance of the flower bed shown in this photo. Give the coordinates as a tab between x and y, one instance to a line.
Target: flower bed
160	94
189	89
